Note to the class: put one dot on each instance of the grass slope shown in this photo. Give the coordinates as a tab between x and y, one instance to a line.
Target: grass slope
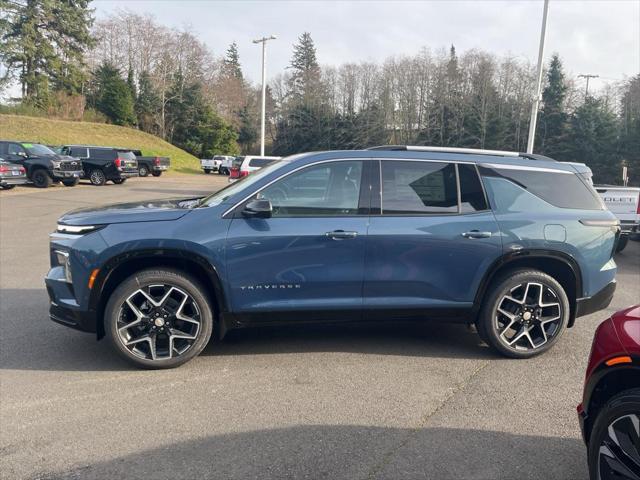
60	132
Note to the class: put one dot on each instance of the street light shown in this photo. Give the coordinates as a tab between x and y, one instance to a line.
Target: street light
263	41
536	101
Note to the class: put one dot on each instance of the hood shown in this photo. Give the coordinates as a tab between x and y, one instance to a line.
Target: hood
149	211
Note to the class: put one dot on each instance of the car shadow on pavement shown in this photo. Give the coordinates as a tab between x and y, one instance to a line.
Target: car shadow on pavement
31	341
349	452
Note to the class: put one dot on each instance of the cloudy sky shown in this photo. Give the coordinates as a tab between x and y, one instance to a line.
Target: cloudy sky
598	36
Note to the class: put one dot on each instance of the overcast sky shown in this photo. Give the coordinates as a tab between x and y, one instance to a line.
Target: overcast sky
599	36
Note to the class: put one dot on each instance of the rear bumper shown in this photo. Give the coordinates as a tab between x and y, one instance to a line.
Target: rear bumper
5	181
628	227
160	168
127	173
599	301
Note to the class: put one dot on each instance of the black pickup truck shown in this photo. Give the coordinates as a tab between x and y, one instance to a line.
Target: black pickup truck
101	164
43	165
151	165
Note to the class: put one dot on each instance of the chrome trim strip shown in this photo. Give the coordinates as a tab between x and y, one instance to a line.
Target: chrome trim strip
476	151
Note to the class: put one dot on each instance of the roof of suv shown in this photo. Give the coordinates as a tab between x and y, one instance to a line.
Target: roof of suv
472	151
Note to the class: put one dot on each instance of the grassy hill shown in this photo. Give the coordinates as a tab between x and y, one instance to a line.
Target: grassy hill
60	132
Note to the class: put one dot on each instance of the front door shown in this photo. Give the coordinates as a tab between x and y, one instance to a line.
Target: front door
429	244
306	262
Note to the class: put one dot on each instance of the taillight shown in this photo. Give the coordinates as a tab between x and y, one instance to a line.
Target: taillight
638	209
157	161
234	173
4	168
22	170
243	173
118	162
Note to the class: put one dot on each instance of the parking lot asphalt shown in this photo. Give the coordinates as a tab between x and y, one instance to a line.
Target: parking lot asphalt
353	402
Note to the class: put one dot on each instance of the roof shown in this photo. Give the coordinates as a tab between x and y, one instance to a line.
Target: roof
472	151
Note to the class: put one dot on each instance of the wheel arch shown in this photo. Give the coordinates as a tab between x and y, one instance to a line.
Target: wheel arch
116	269
560	266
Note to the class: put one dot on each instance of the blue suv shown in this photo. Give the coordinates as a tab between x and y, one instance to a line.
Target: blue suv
517	244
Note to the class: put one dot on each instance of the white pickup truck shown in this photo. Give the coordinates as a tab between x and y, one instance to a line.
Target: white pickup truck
624	203
216	163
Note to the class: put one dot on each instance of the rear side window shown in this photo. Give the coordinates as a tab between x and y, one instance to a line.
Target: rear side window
77	151
472	198
260	162
559	188
102	154
126	155
410	188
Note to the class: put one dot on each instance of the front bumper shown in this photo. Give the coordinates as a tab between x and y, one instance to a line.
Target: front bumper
599	301
63	174
63	307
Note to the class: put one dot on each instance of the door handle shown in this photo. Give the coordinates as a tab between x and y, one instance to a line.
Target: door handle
341	235
476	234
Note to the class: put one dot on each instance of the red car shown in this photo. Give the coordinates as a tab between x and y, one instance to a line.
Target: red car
610	410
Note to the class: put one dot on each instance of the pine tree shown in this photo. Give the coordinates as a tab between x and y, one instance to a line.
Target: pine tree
248	131
147	104
305	84
231	63
113	96
43	42
630	129
553	120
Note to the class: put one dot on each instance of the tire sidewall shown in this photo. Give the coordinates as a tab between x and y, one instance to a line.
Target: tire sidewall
150	277
156	174
100	177
143	172
620	405
70	183
499	288
41	178
622	243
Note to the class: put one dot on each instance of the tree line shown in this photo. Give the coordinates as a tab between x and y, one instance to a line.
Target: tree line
128	69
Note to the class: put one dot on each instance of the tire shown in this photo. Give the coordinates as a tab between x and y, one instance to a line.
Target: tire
97	178
207	171
143	171
156	174
622	243
119	181
512	320
171	287
41	178
7	187
618	416
71	182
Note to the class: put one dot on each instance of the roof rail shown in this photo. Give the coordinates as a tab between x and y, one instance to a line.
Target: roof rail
474	151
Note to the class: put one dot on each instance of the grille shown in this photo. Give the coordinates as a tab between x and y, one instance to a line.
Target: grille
70	166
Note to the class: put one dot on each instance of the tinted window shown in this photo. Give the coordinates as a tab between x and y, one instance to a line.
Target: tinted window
260	162
126	155
418	188
559	188
102	154
237	162
472	197
330	189
15	149
77	151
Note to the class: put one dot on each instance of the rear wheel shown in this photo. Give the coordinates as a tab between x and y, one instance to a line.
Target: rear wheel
622	243
41	179
524	314
143	171
7	187
614	444
119	181
97	177
72	182
156	174
158	319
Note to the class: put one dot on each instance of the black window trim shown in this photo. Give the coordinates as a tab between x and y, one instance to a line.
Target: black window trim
363	208
380	209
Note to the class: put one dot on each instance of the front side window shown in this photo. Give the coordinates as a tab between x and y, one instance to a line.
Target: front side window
328	189
15	149
417	188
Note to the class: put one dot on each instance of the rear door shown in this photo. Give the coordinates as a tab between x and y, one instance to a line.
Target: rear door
306	262
429	243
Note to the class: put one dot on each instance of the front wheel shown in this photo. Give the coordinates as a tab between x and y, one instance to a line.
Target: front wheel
156	174
97	177
524	314
614	448
71	182
622	243
158	319
41	179
206	171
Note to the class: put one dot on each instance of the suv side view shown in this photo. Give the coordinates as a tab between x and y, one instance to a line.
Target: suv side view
519	245
101	164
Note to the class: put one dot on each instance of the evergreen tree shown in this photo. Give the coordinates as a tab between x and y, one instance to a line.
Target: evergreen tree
43	42
231	63
147	104
131	84
630	129
305	83
113	96
553	119
248	131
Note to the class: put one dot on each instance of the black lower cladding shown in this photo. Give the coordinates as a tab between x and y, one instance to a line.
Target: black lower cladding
599	301
80	320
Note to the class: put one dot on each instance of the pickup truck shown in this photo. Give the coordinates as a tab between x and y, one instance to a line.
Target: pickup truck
43	165
624	203
216	163
150	165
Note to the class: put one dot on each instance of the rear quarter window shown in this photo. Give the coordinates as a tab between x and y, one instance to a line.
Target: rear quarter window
260	162
102	154
557	187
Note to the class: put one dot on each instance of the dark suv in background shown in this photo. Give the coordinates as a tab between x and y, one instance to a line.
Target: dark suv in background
43	166
517	244
103	164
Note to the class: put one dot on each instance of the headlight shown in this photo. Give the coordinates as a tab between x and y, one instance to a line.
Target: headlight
62	258
55	164
76	230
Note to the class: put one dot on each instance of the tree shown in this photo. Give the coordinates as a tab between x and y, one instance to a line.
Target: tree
44	42
553	120
305	82
630	128
231	62
113	96
147	104
248	131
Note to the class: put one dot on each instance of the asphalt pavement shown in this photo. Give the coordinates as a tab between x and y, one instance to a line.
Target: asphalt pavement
354	402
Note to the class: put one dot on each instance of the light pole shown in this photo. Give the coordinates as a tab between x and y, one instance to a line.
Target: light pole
588	76
536	101
264	41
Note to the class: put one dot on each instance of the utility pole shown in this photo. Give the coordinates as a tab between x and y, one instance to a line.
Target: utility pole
536	101
264	41
587	76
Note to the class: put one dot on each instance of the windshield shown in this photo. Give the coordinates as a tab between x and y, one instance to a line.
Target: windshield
36	149
227	192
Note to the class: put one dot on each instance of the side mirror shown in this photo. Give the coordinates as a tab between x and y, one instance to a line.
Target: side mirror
258	209
22	154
